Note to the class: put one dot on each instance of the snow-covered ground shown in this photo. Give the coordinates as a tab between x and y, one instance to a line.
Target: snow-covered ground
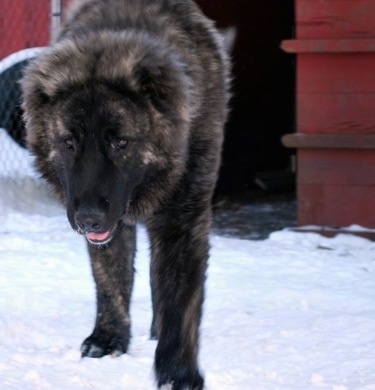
295	311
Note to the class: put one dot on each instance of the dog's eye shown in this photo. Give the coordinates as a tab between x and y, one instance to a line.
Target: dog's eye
69	143
120	144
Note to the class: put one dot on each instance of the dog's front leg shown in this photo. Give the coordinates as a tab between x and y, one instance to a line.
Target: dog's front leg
113	270
179	246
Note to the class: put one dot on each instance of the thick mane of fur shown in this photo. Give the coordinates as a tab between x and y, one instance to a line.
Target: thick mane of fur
102	56
107	56
129	60
171	36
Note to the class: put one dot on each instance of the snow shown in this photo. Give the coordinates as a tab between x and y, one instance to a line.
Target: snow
295	311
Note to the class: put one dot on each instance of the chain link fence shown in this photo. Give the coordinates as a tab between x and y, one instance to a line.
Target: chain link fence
26	26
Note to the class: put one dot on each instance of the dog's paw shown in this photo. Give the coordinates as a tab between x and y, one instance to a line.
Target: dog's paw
181	380
97	346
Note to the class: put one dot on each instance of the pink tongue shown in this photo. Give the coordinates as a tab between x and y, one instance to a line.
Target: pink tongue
98	236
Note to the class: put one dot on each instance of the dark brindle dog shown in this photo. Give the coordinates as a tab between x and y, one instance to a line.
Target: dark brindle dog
125	116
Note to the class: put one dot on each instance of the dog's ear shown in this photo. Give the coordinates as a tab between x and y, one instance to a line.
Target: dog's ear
156	82
229	36
167	88
34	89
41	96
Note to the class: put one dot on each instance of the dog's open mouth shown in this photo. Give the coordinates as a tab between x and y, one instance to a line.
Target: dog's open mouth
100	238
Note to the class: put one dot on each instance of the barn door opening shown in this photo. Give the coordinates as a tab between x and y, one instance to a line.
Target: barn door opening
263	94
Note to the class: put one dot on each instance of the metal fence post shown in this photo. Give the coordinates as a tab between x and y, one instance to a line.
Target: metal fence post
55	18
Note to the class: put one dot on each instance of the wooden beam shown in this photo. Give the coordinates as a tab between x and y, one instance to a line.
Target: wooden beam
328	45
329	141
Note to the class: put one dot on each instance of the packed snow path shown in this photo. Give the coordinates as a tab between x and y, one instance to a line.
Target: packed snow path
295	311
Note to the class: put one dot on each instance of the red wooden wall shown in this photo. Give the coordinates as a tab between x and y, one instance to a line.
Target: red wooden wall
23	24
335	46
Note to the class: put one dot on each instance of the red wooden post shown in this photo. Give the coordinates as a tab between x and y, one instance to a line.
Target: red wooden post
335	47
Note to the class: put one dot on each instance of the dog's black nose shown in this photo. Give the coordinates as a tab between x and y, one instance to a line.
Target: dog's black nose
90	222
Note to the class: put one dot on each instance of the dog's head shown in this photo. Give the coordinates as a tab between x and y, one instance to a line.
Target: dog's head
108	123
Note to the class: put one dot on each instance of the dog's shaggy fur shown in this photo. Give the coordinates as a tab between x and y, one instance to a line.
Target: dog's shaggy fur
125	116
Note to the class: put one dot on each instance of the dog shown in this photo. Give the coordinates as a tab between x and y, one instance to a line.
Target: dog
124	114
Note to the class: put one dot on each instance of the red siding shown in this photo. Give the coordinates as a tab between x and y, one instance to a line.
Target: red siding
335	49
335	19
23	24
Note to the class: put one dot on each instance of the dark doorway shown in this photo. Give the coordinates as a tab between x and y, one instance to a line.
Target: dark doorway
263	90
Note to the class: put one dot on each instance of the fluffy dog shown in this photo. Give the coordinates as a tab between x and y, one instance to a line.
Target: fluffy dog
125	116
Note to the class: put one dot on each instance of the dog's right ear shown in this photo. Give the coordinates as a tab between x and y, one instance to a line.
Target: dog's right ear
41	96
34	105
35	100
33	86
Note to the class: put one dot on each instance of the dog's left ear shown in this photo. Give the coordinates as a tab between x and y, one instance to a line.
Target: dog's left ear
162	80
157	83
229	35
